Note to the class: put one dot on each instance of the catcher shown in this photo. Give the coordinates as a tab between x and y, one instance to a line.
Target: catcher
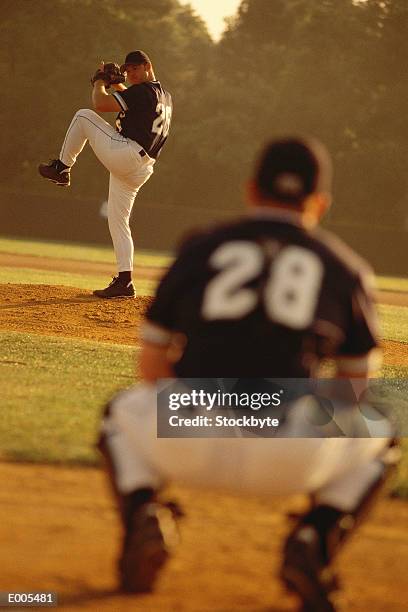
267	296
128	151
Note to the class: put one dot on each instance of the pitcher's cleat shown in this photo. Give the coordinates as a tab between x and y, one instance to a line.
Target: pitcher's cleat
116	289
57	172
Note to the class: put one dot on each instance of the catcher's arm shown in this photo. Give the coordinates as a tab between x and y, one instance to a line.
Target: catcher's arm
154	362
160	350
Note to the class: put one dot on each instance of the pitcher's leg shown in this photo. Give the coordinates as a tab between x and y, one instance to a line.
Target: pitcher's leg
87	125
111	148
120	203
122	193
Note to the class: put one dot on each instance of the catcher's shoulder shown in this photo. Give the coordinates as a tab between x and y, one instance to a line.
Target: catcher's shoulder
124	399
201	236
334	247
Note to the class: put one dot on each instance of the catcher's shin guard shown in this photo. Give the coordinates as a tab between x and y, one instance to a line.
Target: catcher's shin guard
149	539
319	535
305	573
150	530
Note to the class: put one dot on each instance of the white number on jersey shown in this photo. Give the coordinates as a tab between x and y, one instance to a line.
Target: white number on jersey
290	294
225	297
293	287
161	124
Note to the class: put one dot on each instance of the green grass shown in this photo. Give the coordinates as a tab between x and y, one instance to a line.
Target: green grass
53	391
104	254
394	322
29	276
77	252
391	283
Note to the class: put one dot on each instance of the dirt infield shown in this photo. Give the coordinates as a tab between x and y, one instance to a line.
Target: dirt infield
58	527
65	538
70	313
75	313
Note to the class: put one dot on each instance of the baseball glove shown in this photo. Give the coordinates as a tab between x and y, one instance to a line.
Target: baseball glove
110	75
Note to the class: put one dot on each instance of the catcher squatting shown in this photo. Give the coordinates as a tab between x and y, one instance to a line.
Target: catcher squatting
269	295
128	152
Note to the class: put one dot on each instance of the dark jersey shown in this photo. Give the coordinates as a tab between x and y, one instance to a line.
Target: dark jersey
145	116
264	297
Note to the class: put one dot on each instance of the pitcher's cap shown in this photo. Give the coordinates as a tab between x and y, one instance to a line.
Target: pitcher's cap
135	57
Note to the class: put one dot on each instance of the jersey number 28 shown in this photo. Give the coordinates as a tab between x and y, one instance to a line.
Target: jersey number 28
290	293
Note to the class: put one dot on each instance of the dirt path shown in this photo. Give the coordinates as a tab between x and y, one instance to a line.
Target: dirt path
68	265
394	298
63	536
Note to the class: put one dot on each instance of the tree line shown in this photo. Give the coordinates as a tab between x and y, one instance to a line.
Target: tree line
332	68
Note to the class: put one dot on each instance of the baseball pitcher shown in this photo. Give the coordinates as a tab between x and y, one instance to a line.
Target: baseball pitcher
128	151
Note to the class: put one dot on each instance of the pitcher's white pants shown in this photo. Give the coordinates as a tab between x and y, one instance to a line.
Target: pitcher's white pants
338	471
128	172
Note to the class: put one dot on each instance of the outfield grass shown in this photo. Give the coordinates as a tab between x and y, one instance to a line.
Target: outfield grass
53	391
391	283
104	254
394	322
78	252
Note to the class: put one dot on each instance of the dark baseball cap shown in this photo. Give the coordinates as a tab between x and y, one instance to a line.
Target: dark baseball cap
137	58
291	169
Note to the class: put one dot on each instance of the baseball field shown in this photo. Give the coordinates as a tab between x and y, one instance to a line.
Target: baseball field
64	353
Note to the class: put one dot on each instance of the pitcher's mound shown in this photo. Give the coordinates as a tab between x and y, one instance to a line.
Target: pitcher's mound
70	312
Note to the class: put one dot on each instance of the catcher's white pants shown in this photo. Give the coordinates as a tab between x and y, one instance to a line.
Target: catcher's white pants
128	172
338	471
